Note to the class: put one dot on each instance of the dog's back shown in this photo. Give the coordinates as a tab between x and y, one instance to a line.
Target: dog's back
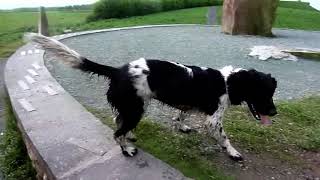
185	87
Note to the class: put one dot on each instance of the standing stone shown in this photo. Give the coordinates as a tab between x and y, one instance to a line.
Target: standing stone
43	22
211	16
251	17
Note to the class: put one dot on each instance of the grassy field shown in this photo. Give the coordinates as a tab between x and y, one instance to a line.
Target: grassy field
14	160
296	5
14	24
289	15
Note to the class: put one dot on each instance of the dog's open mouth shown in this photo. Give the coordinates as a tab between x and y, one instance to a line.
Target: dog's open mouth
264	119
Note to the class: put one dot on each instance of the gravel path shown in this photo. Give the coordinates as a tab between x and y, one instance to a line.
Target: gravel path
196	45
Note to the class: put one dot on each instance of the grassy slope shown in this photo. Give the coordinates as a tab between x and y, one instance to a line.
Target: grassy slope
14	160
298	19
296	5
14	24
291	15
296	127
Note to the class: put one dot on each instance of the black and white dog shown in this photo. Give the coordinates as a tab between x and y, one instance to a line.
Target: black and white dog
188	88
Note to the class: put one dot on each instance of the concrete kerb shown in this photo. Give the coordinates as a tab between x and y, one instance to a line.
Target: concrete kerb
63	139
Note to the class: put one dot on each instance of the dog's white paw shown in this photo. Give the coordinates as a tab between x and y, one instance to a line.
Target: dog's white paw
184	128
129	151
234	154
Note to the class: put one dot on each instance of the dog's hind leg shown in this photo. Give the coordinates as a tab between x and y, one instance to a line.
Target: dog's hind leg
124	127
129	115
129	136
179	122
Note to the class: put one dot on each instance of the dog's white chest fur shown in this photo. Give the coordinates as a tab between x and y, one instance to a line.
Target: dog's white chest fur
139	69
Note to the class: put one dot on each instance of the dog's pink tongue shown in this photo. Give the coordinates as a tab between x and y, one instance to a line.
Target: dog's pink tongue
265	120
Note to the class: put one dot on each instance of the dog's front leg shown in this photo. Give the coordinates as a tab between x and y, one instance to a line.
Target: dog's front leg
179	122
215	128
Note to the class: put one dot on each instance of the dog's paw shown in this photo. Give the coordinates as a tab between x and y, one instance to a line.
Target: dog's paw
129	151
236	157
185	129
234	154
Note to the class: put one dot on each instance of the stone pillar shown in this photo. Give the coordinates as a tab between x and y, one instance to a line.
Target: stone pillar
250	17
43	22
211	16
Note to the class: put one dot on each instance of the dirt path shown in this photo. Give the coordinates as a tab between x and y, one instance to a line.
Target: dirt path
264	166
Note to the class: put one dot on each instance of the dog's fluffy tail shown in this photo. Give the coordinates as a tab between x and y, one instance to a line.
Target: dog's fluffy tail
69	56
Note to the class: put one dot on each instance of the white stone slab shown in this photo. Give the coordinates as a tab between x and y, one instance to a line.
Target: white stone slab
29	79
26	105
23	85
49	90
32	72
23	53
36	66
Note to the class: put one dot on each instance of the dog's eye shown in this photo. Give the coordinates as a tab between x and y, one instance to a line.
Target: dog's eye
136	66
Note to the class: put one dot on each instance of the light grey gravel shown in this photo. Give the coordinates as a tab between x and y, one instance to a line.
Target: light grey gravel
196	45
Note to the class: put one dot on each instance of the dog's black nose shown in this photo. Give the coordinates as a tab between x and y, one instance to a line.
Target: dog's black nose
273	112
146	72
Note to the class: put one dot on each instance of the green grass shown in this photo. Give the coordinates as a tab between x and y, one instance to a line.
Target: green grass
297	19
296	5
105	9
14	24
296	128
185	16
179	150
14	160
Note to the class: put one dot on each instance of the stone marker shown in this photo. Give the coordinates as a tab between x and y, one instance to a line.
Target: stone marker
250	17
43	22
211	17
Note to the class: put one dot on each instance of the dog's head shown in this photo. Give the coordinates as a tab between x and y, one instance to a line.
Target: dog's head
256	89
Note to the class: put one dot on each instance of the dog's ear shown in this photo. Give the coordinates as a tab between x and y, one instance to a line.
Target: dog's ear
238	87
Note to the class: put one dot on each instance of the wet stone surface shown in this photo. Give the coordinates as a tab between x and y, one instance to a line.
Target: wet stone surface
194	45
